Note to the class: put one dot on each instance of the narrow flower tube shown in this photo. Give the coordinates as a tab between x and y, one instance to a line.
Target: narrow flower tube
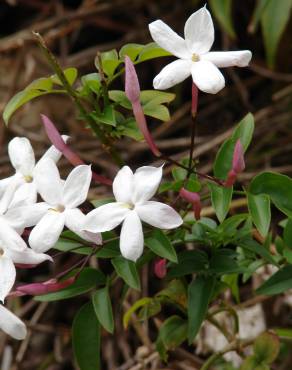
57	140
238	164
132	90
194	199
45	287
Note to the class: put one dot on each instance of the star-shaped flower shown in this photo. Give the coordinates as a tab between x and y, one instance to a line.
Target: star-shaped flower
133	205
11	324
59	209
194	54
22	158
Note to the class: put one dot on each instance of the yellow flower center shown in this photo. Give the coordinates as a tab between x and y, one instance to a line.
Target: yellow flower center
59	208
28	178
195	57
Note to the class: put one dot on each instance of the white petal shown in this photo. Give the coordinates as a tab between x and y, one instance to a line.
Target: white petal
74	220
28	257
9	238
11	324
76	186
132	239
48	182
146	183
9	193
207	77
26	215
123	185
26	194
46	233
168	40
21	155
4	183
228	58
172	74
159	215
106	217
199	31
53	152
7	276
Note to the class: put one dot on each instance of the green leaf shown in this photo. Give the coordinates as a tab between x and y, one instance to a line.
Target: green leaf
110	61
287	235
254	247
127	271
222	262
199	294
260	211
132	50
143	302
257	14
86	338
156	96
173	332
278	283
175	292
221	198
131	129
188	263
70	73
160	244
266	348
107	116
151	51
103	308
88	279
92	81
274	19
243	131
223	12
277	186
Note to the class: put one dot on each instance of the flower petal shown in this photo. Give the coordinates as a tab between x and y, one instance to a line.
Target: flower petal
9	238
74	220
132	239
105	218
27	257
26	215
48	182
146	182
26	194
9	193
159	215
53	152
207	77
168	40
123	185
7	276
76	186
46	233
223	59
4	183
11	324
21	155
172	74
199	31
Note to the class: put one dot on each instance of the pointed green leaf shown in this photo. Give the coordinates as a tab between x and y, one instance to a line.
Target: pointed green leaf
266	348
132	50
173	332
222	10
127	271
151	51
278	283
103	308
86	338
160	244
260	210
221	198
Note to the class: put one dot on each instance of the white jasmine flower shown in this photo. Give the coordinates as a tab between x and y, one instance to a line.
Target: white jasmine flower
11	324
194	54
133	193
59	209
22	158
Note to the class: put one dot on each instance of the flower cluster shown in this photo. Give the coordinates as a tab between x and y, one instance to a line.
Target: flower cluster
20	209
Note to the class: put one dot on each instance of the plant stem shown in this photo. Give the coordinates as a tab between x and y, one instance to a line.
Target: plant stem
102	79
106	145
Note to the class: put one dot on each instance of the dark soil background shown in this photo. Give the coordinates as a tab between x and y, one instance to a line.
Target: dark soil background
75	31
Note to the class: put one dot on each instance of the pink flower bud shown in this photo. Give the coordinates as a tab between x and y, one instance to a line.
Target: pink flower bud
57	140
193	198
45	287
238	164
160	269
132	87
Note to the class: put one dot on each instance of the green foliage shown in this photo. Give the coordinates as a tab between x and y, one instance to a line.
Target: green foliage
39	87
161	245
86	338
223	12
278	283
260	211
221	198
103	308
127	271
